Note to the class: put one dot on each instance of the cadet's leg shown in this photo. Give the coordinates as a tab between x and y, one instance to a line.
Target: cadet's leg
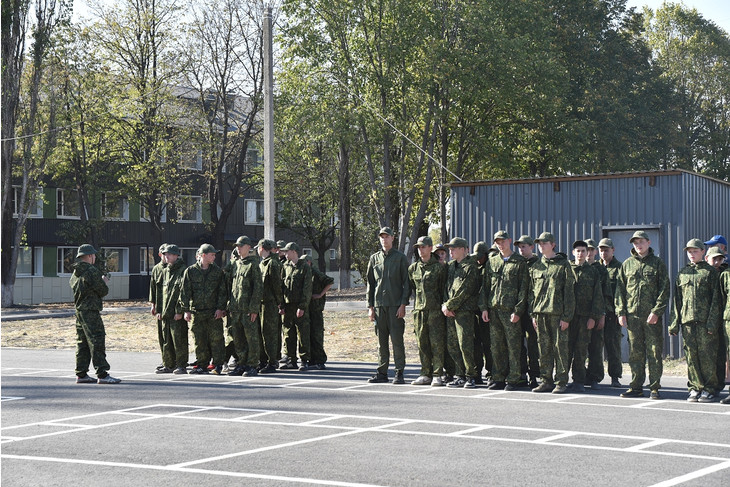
612	341
237	345
423	338
83	354
452	344
303	338
578	348
708	345
689	341
316	334
397	330
637	352
168	347
270	320
289	329
383	331
595	371
514	349
437	339
95	336
465	334
546	347
532	365
562	356
179	332
654	337
498	341
202	346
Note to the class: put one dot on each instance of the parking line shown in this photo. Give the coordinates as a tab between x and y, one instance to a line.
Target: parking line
693	475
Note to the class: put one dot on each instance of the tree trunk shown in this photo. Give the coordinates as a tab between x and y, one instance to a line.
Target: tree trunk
344	215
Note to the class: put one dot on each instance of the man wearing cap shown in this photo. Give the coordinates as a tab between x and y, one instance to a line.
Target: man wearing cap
642	297
297	277
271	304
594	370
89	286
482	343
321	283
174	327
203	300
530	353
461	303
551	299
280	244
717	241
696	308
427	280
244	305
388	292
611	330
716	258
589	309
507	303
156	284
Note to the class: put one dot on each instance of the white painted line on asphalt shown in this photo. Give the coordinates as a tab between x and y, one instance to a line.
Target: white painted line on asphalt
648	444
470	430
643	404
693	475
10	398
559	436
565	398
323	420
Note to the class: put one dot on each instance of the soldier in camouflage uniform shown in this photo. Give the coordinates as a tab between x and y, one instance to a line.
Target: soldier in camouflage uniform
427	280
203	300
612	330
461	305
89	286
551	299
642	297
507	303
696	308
174	327
321	283
297	294
716	258
594	370
530	354
155	299
244	304
589	309
271	304
482	343
725	316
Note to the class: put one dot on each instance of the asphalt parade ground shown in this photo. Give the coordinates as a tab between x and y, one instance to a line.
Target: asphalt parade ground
331	427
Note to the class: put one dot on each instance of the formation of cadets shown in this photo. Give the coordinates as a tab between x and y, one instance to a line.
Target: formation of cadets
533	322
264	296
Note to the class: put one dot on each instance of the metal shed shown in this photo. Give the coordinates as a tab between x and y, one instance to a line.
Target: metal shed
673	206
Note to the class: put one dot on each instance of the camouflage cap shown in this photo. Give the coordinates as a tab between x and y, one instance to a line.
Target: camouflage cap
580	243
500	235
715	252
207	248
85	249
545	237
525	239
386	230
458	242
280	244
161	250
424	241
243	240
639	234
694	243
266	244
291	246
481	249
606	242
590	243
172	249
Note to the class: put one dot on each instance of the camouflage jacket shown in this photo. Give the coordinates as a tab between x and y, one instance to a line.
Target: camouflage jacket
508	283
172	284
246	286
297	284
588	291
88	287
606	288
485	284
642	286
203	290
612	269
157	275
428	281
725	294
272	289
552	288
320	280
696	297
462	285
387	279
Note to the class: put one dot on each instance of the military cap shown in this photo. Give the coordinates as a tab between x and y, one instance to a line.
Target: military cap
85	249
590	243
480	249
639	234
291	246
606	242
717	239
525	239
162	248
715	252
500	234
580	243
243	240
439	246
694	243
172	249
545	237
207	249
424	241
280	244
458	242
386	230
266	244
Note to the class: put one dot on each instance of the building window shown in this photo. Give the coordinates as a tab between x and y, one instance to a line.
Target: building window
333	254
114	207
67	203
255	212
307	251
192	159
190	209
144	213
35	207
146	259
115	260
252	160
30	261
65	260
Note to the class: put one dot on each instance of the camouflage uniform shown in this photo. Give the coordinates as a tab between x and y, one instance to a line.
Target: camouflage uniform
427	279
157	276
696	307
594	370
462	297
88	288
245	286
530	353
507	294
551	300
297	294
482	340
272	301
725	316
320	280
612	330
175	351
588	305
643	288
203	292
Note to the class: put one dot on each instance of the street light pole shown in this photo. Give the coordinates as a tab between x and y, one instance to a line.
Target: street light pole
269	198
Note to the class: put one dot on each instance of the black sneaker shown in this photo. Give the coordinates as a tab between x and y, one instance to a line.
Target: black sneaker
251	372
655	395
726	400
398	379
578	387
470	384
164	370
268	369
236	371
180	370
595	386
497	385
378	379
615	382
108	380
85	380
161	366
510	387
457	382
633	393
303	367
707	397
284	359
198	370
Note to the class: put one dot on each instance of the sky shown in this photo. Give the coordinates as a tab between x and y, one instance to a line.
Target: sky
716	10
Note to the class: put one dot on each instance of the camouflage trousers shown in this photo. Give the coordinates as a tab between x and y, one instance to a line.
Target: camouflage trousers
296	334
208	335
270	333
390	329
506	340
460	343
700	350
316	331
723	350
482	347
430	328
554	351
530	353
594	369
578	336
175	346
612	341
646	345
243	338
161	338
90	343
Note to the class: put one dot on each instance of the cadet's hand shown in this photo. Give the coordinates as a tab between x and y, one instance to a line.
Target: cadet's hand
623	321
401	313
300	313
591	323
485	316
534	324
177	316
371	314
601	323
219	313
106	279
153	311
564	325
316	296
188	316
158	316
514	318
652	319
282	311
253	316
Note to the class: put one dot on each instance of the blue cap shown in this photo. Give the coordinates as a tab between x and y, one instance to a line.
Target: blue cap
717	239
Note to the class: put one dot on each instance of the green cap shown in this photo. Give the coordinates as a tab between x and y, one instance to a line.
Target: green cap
207	249
243	240
266	244
280	244
481	249
580	243
458	242
161	250
424	241
172	249
525	239
545	237
695	243
715	252
386	230
606	242
639	234
500	234
590	243
291	246
85	249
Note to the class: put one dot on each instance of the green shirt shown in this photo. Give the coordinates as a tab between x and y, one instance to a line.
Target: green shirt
612	269
508	283
298	283
428	281
642	286
387	279
462	285
203	289
246	286
271	277
696	297
552	288
88	287
171	287
588	291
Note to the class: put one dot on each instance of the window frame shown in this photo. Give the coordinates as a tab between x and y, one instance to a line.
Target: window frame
61	202
199	209
125	207
15	195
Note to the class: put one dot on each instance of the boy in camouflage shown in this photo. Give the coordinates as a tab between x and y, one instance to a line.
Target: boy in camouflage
530	354
594	370
174	327
297	294
321	283
612	330
271	304
155	298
